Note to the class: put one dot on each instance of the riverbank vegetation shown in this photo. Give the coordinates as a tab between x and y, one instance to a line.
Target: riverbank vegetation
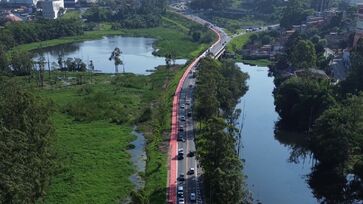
329	115
220	85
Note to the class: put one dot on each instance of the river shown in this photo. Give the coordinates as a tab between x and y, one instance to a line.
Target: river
270	176
137	54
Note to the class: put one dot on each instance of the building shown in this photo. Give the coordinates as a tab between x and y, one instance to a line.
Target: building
24	2
70	3
51	8
10	17
359	26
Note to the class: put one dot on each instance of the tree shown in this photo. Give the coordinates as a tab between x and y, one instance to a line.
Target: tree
266	39
196	36
207	104
220	85
115	56
26	132
138	197
21	63
294	13
41	62
168	60
300	100
354	81
4	62
338	131
303	55
222	168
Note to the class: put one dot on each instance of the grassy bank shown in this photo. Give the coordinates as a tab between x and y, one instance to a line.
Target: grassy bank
258	62
235	47
238	42
156	171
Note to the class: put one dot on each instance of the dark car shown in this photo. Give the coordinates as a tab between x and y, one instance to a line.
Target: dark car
181	177
181	139
181	154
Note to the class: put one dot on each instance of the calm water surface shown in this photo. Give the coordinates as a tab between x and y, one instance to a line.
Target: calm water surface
138	158
271	177
137	53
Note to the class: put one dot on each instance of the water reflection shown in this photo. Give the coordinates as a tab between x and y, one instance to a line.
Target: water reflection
137	53
271	177
329	184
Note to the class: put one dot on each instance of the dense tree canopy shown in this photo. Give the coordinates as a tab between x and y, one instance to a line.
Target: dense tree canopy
222	168
25	139
27	32
340	126
220	85
354	82
303	55
294	13
128	13
299	101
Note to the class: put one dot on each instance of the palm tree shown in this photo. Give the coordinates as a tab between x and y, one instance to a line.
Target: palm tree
115	56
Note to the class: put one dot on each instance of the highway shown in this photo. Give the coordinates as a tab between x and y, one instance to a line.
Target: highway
183	173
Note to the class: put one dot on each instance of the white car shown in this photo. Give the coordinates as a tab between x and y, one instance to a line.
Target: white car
192	197
181	201
181	151
191	171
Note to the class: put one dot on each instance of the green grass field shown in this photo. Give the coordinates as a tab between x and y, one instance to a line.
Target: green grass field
238	42
93	165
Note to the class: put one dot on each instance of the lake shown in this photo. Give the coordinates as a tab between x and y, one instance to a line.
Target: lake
137	54
271	177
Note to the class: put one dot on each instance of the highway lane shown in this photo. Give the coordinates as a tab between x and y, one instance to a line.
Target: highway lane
191	185
188	161
183	128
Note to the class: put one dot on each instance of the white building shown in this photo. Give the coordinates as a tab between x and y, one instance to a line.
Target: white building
25	2
354	2
70	3
359	26
51	8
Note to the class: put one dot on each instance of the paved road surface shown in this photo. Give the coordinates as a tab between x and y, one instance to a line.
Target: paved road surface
181	120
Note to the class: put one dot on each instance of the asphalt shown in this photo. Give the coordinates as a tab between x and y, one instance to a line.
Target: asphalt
184	92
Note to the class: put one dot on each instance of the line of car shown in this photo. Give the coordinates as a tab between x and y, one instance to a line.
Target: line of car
185	116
